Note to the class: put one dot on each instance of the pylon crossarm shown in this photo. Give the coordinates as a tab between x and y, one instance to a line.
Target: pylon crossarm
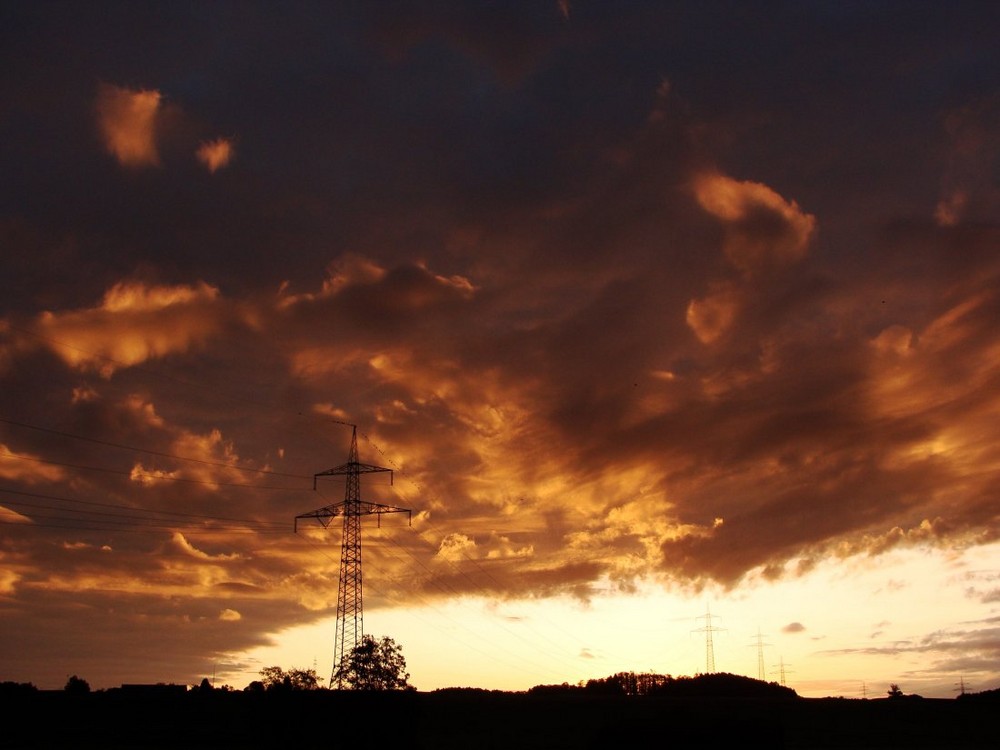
361	508
352	468
323	515
368	509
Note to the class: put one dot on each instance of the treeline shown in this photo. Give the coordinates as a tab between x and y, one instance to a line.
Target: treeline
275	680
720	684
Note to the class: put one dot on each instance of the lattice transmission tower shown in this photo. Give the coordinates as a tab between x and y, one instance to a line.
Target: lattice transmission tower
782	671
761	674
350	616
708	630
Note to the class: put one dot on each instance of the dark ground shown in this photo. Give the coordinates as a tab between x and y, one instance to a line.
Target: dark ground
477	719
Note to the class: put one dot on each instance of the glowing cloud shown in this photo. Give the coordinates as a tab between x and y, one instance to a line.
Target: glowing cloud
712	316
216	154
350	270
10	516
136	296
8	578
762	228
182	543
456	546
127	121
148	477
134	323
26	468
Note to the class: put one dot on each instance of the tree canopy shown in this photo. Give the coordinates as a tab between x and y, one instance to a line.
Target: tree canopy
373	665
276	679
77	685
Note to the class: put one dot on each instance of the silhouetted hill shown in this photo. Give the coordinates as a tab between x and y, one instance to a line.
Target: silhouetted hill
986	696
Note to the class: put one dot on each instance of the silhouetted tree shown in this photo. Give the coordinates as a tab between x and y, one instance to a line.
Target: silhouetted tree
373	665
894	691
272	678
717	684
275	678
77	686
562	688
9	689
304	679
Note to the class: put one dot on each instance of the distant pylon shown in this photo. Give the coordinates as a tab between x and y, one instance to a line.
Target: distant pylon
350	617
760	656
782	670
709	643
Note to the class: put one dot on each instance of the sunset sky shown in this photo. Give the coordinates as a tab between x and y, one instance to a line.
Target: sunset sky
667	317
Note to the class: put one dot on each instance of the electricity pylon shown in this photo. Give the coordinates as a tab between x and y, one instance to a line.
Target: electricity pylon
760	656
782	671
350	618
709	644
960	687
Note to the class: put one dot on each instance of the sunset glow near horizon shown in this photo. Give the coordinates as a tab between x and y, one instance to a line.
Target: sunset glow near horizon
664	317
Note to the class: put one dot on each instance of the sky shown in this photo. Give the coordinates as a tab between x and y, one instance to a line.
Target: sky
675	322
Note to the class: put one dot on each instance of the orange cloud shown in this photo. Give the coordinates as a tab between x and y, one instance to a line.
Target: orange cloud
24	467
712	316
762	228
134	323
184	545
927	532
350	270
216	154
211	458
127	120
10	516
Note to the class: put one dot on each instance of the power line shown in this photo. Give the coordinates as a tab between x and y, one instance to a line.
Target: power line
494	646
126	366
122	528
145	475
499	586
230	396
177	515
161	454
427	604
